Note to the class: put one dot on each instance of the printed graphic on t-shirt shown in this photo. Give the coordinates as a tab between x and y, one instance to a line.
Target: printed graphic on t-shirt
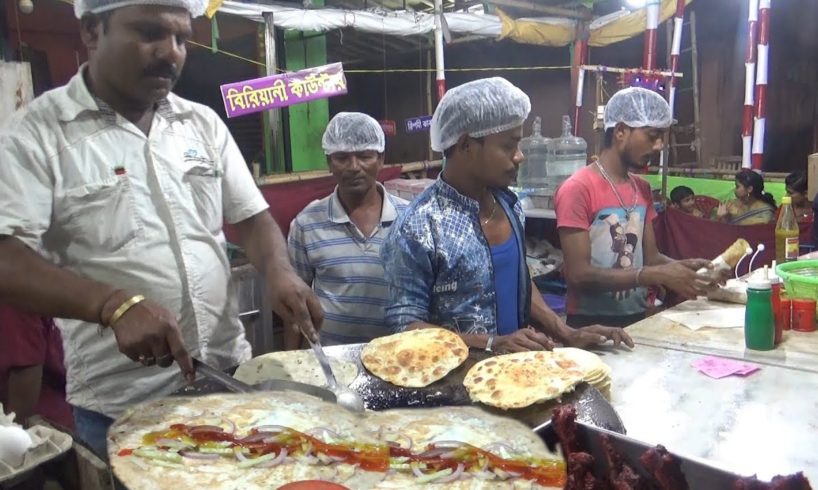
616	243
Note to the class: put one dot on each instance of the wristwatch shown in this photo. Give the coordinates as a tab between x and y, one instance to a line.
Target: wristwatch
489	342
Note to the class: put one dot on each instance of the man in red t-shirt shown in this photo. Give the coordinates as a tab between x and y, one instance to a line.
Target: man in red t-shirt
602	213
32	374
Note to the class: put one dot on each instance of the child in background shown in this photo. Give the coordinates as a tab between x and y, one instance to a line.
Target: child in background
684	199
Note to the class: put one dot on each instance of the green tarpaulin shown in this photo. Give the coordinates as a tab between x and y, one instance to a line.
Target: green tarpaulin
720	189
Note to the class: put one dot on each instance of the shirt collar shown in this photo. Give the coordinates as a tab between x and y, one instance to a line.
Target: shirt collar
79	99
447	191
337	213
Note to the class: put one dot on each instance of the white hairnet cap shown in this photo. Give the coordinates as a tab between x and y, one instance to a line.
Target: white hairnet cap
349	132
478	108
638	107
82	7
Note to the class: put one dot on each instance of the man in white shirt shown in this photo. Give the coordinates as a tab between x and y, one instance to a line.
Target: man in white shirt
125	187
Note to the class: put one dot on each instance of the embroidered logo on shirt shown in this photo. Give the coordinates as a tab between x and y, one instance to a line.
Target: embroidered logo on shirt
202	165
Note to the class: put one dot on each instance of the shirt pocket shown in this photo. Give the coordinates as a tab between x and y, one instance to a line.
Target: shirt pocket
205	186
101	215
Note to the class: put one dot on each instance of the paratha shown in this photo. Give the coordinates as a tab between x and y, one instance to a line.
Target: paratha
299	365
415	358
261	441
595	371
521	379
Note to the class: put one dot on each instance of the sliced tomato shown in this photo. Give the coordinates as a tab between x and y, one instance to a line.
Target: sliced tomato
125	452
312	485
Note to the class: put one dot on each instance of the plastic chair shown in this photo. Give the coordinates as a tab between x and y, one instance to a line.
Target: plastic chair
706	204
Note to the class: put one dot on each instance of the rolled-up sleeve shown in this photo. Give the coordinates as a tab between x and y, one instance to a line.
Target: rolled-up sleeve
26	188
410	278
241	196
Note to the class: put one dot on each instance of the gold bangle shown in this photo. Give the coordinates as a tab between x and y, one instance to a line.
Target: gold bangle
125	307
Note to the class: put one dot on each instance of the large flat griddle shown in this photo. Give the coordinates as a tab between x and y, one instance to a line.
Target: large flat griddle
592	407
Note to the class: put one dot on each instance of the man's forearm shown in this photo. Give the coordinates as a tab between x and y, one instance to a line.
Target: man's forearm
598	279
544	319
264	244
32	284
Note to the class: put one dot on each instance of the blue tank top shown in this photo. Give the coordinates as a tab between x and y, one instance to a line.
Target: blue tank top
506	260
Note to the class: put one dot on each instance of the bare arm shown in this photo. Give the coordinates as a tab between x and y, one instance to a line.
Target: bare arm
545	320
650	250
24	386
33	284
292	299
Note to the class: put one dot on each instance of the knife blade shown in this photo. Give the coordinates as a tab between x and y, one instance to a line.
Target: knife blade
237	386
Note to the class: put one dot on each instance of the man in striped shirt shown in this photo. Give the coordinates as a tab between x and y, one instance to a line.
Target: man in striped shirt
335	242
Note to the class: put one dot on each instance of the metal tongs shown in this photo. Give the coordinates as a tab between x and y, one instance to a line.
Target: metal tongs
345	397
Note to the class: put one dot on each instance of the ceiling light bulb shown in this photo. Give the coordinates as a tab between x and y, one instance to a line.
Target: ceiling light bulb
26	6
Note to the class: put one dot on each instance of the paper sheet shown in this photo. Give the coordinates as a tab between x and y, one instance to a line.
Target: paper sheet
715	318
717	367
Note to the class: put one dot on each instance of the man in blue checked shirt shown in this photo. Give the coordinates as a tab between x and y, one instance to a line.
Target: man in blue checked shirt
456	257
335	242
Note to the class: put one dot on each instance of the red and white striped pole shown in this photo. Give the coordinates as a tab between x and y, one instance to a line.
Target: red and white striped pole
649	55
440	64
761	83
678	25
749	85
580	59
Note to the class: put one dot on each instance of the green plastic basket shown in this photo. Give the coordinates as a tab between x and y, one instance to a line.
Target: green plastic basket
800	278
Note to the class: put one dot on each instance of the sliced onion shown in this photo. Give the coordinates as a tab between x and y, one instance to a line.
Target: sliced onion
494	447
271	428
259	437
199	456
325	430
337	459
325	459
416	471
275	461
513	474
406	438
171	443
454	476
448	444
239	454
485	475
435	452
206	428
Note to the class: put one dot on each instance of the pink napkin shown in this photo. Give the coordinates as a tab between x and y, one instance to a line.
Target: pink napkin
717	367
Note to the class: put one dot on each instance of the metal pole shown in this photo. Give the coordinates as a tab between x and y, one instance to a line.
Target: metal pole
439	60
675	49
272	117
762	69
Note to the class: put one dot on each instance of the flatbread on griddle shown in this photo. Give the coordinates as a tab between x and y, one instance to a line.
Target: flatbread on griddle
415	358
299	365
521	379
595	371
413	428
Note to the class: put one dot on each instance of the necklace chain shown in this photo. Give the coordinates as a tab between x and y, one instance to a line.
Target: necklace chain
627	210
493	210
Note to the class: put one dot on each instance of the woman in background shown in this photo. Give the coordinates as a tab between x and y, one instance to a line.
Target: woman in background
796	184
752	206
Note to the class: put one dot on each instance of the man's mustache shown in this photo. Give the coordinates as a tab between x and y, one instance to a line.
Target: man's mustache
164	70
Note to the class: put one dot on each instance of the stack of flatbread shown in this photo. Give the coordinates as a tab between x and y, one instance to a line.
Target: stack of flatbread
415	358
522	379
594	371
525	378
301	366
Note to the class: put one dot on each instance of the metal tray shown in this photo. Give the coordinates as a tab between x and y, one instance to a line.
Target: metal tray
699	474
592	407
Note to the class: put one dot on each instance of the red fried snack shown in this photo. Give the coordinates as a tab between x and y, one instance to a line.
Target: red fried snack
792	482
620	475
665	468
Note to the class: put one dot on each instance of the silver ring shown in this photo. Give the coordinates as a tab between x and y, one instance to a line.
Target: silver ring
147	360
